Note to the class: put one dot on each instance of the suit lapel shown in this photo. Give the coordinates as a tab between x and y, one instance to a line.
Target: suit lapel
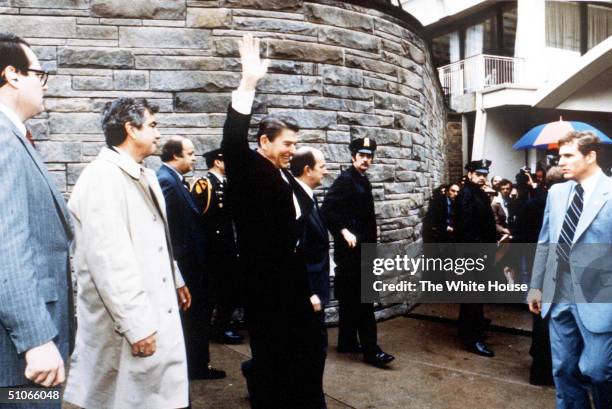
59	200
593	206
186	195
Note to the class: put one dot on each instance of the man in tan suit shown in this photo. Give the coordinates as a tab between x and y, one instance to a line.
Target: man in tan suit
130	351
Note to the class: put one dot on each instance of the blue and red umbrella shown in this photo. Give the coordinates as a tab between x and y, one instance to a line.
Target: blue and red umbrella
546	136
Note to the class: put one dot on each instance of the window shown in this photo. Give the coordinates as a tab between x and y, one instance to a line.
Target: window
563	25
599	24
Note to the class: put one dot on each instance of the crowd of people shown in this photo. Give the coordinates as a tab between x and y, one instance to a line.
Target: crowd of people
162	264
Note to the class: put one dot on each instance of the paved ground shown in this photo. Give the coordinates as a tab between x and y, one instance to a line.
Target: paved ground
431	371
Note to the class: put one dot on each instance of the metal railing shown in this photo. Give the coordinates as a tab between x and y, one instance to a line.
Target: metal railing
480	72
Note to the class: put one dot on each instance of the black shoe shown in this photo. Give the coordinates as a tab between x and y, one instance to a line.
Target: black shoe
349	349
480	348
229	338
380	360
211	373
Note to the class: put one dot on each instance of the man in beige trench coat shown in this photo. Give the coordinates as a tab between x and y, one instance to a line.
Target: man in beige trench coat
130	351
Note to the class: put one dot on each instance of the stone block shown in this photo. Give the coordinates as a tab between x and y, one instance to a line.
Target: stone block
370	65
54	151
45	52
335	75
312	136
336	153
171	62
309	119
74	123
388	27
411	79
381	173
141	9
193	81
39	128
209	18
201	102
337	104
337	17
364	119
275	25
407	122
85	83
265	101
39	26
375	83
131	80
305	51
393	209
52	4
290	84
290	67
73	171
380	135
349	39
226	47
416	54
94	58
264	4
162	37
182	120
98	32
346	92
338	137
405	176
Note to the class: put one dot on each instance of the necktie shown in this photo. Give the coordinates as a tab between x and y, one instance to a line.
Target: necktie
572	216
29	137
185	183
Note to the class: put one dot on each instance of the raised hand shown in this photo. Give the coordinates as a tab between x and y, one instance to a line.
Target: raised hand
253	67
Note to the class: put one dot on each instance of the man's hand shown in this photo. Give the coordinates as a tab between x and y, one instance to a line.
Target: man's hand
349	237
144	347
253	68
316	303
534	299
184	297
44	365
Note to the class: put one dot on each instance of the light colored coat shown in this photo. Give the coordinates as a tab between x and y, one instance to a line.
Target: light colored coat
590	261
126	292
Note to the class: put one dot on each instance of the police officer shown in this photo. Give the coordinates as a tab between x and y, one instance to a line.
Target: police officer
222	261
475	223
348	209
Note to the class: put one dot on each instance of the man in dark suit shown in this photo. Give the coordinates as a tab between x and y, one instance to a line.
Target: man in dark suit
475	224
222	255
309	168
189	245
36	300
279	314
348	210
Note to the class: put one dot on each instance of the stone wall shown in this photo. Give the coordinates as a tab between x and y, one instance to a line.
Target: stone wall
341	69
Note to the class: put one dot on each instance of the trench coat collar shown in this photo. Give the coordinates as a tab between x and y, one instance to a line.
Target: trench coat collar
122	160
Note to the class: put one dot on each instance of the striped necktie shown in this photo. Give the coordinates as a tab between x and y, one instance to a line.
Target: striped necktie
569	225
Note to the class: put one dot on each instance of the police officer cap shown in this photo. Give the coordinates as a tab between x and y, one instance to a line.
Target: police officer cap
212	155
363	145
481	166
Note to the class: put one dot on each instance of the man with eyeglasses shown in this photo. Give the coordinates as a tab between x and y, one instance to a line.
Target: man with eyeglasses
36	308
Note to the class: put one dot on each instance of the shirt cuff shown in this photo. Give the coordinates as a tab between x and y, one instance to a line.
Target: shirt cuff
178	277
242	101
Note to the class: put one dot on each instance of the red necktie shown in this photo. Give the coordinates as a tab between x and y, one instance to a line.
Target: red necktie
29	137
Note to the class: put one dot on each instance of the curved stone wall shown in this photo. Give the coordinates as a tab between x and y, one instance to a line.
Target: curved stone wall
341	69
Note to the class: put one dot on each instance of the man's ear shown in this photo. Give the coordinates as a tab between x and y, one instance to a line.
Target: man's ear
129	129
591	157
9	75
264	141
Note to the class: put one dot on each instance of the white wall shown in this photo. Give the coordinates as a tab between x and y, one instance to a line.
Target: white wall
430	11
594	96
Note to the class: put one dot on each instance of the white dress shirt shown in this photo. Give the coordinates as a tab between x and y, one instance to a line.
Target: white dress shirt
12	116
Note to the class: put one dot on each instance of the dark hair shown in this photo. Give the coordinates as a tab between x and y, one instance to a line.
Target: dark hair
121	111
302	158
505	182
273	125
210	160
13	54
173	147
587	141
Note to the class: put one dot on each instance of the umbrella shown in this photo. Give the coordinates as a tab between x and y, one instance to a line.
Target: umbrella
546	136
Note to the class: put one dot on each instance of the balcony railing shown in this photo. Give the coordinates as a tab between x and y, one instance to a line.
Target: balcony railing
480	72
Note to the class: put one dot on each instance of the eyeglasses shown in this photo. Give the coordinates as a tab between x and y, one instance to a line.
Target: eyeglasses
43	76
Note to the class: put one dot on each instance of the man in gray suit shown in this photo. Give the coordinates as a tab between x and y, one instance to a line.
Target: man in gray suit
572	275
36	307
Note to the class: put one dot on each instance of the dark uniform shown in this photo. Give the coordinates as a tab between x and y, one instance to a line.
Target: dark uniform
475	223
349	204
222	255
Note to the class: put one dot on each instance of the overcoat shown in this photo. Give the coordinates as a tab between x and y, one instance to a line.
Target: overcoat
126	291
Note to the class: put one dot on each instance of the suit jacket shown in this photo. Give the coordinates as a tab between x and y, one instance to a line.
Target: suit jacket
266	226
475	219
185	224
127	291
35	283
314	245
589	259
435	223
349	204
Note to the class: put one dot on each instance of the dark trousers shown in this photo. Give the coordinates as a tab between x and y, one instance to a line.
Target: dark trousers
471	322
541	366
286	371
196	324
